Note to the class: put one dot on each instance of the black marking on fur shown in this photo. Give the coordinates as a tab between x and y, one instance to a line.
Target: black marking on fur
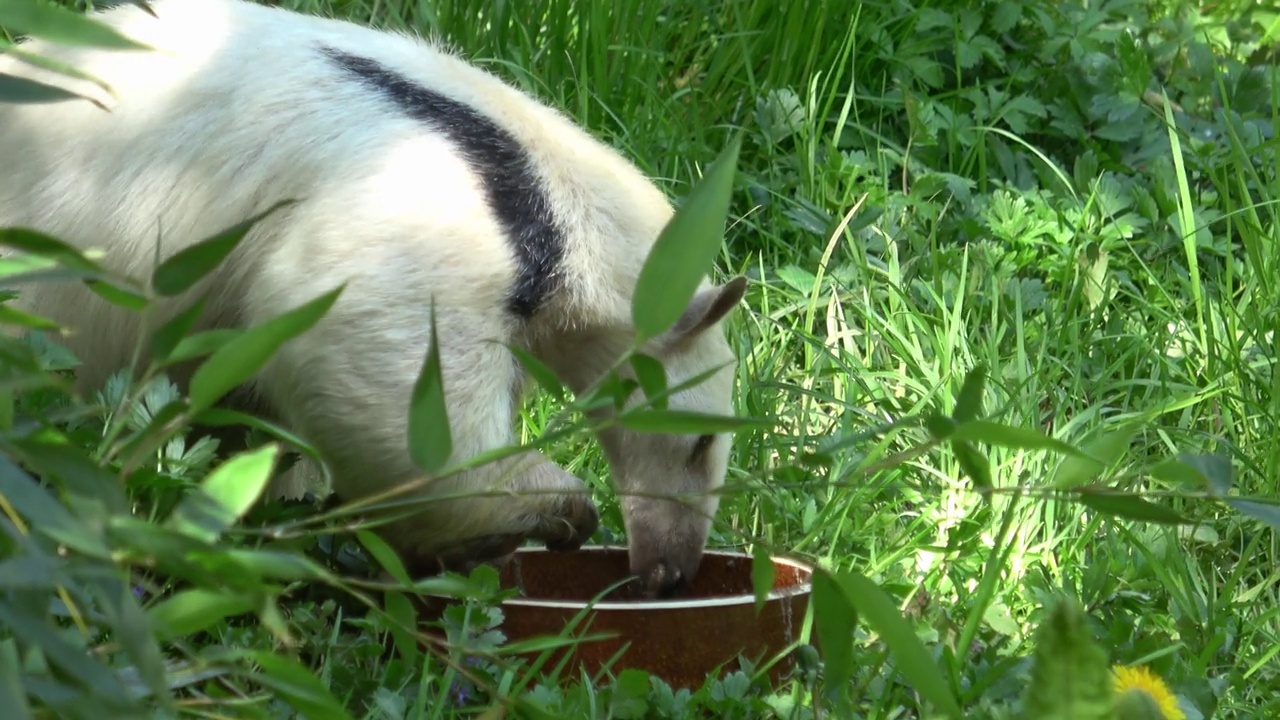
513	189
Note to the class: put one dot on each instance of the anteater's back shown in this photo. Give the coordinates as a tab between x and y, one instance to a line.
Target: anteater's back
243	105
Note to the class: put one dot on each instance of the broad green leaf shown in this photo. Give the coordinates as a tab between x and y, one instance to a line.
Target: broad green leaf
61	25
277	565
244	355
239	482
201	344
762	574
56	457
297	685
1103	451
430	438
46	246
1269	514
386	557
444	586
73	659
167	337
190	611
940	427
224	417
32	570
188	266
1070	677
543	375
834	619
118	296
45	514
969	401
56	66
133	632
23	91
686	422
1130	506
973	462
12	316
999	435
1216	472
226	494
629	698
910	656
652	378
404	622
13	695
685	249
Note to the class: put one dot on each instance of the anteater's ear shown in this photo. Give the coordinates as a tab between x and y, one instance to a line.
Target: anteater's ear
706	309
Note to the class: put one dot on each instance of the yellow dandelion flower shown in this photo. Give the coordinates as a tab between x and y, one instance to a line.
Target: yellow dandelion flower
1145	688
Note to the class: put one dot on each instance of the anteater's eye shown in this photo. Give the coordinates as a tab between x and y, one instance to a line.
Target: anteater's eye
700	448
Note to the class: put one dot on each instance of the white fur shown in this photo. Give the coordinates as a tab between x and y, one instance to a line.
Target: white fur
235	111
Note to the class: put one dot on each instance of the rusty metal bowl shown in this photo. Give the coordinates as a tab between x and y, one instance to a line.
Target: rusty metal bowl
682	640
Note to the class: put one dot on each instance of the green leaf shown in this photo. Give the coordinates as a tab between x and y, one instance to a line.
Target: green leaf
190	611
52	65
543	375
133	632
45	514
297	685
1130	506
224	417
63	651
167	337
243	356
1103	451
834	618
226	494
13	694
20	90
46	246
404	621
385	556
201	344
61	25
1070	677
762	575
686	422
999	435
630	693
189	265
652	378
118	296
276	565
940	427
13	316
973	462
969	401
909	654
1269	514
685	249
430	439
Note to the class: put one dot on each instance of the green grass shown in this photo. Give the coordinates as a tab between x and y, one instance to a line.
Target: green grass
925	191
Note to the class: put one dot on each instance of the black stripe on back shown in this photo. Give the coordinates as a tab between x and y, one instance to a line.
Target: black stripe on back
514	191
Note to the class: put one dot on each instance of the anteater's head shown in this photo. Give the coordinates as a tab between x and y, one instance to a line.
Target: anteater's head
668	482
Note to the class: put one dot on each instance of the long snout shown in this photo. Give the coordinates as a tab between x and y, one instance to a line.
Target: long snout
667	539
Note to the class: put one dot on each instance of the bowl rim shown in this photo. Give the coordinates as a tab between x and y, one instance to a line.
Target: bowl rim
805	587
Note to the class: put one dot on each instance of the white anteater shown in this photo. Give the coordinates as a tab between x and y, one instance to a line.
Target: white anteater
419	177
